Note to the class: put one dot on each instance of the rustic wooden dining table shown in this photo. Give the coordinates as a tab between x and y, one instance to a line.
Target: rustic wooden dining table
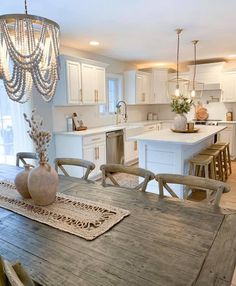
162	242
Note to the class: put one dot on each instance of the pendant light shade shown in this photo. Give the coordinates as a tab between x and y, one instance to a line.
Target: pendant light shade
178	86
29	55
195	87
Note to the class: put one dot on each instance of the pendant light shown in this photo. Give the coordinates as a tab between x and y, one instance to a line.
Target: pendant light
29	55
178	86
196	87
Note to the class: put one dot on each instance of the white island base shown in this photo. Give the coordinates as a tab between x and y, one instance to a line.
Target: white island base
168	152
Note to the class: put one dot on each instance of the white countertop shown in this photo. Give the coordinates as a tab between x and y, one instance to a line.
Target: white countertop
169	136
130	125
227	122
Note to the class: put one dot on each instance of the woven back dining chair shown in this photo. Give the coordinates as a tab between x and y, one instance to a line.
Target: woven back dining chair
109	170
215	188
21	157
60	162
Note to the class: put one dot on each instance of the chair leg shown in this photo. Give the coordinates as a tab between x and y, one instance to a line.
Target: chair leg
229	160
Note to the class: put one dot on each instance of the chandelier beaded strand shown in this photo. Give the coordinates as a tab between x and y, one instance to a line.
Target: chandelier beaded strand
29	55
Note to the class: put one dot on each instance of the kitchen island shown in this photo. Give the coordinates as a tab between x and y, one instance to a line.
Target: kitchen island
168	152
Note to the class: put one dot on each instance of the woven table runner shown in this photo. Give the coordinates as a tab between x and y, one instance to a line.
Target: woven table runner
77	216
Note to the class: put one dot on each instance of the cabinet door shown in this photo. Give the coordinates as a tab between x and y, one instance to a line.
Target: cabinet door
73	82
226	136
160	92
100	84
229	87
131	151
101	156
88	84
140	98
146	85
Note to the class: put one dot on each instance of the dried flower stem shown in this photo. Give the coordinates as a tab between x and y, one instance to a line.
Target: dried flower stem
40	137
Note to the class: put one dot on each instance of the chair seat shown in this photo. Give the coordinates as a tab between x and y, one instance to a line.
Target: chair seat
201	159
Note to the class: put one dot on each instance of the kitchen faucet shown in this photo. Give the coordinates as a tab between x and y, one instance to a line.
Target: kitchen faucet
118	105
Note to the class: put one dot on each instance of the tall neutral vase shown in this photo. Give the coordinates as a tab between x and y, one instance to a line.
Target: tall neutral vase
180	122
43	184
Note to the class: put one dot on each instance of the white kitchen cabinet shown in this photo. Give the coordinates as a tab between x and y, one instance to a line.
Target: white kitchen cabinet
159	94
228	135
228	85
91	148
150	127
137	87
82	81
68	91
95	153
93	84
131	152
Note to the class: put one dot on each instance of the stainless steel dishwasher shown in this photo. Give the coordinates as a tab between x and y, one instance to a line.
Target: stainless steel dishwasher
115	147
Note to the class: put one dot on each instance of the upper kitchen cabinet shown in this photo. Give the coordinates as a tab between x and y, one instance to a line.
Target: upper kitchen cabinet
228	85
93	84
159	93
137	87
82	81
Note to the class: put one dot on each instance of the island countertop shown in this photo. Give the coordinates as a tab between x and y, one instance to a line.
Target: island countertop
169	136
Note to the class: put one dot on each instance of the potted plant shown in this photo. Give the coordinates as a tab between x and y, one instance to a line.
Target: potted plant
180	105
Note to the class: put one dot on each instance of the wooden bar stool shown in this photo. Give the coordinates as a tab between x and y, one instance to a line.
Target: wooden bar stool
226	145
202	166
223	155
217	161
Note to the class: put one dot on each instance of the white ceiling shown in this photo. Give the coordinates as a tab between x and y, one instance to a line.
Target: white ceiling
140	31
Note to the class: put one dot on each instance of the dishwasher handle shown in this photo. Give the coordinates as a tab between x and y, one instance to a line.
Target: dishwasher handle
114	133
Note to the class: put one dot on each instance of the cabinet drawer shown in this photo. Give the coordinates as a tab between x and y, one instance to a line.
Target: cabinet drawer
93	139
150	127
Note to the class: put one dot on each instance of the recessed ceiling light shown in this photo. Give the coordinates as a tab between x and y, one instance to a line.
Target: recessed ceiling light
232	56
94	43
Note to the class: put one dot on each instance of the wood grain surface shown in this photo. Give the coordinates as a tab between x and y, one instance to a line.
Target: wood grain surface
163	242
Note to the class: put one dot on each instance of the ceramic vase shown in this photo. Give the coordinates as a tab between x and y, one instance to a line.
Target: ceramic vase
43	184
180	122
21	182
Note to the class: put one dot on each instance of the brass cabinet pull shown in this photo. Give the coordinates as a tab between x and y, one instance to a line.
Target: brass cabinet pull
98	152
96	139
144	96
95	150
135	146
95	95
81	95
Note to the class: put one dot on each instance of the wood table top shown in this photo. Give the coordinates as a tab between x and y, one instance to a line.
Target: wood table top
163	242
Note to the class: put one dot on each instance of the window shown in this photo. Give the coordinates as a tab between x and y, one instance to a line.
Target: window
13	128
114	93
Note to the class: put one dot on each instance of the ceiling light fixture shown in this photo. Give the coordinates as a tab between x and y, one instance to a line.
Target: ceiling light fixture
180	84
29	54
94	43
195	85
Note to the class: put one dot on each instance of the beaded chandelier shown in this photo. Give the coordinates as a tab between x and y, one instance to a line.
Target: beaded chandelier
29	55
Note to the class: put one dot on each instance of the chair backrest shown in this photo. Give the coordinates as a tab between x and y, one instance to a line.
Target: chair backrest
21	156
109	169
60	162
193	182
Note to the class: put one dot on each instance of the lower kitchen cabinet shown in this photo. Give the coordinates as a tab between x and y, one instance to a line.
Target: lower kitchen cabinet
95	153
131	152
228	135
91	148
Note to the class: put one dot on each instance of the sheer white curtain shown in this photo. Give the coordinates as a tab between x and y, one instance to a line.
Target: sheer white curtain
13	128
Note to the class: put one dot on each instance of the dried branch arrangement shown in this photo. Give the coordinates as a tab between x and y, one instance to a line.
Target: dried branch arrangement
40	137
